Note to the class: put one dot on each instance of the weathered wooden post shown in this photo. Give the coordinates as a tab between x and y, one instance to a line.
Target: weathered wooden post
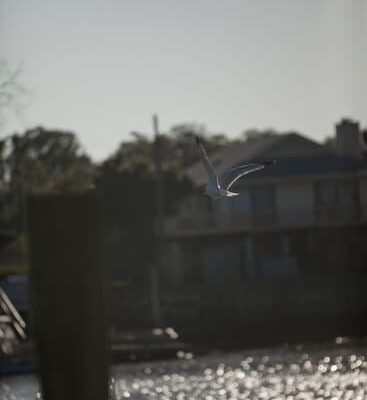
67	292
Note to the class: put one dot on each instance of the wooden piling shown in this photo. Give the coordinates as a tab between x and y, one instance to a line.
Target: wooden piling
67	294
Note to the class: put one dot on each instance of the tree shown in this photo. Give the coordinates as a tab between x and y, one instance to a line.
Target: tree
49	160
126	182
41	161
12	92
254	134
182	138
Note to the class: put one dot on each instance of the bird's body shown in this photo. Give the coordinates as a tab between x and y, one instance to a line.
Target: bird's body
215	191
218	188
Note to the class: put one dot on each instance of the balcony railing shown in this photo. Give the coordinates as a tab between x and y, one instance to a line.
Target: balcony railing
187	225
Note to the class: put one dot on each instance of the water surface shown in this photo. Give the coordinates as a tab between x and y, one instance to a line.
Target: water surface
298	372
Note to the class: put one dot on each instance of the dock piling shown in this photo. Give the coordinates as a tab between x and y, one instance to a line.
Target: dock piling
67	294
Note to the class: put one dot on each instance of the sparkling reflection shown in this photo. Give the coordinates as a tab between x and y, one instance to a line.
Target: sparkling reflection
278	373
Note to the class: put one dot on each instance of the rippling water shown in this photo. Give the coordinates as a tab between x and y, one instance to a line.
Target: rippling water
302	372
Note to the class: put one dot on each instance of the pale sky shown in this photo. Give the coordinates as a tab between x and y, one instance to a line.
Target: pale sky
102	68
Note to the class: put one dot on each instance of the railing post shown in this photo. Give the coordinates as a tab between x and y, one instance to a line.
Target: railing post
67	293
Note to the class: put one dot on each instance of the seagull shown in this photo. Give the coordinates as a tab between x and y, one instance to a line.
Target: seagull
220	187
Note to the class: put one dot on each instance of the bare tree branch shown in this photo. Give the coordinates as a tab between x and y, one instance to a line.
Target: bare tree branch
12	92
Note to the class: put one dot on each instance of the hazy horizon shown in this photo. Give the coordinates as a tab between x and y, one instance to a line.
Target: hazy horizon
101	69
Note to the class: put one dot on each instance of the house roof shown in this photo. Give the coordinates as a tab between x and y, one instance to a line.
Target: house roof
295	155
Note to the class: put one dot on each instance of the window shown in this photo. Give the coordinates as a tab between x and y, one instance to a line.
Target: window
336	199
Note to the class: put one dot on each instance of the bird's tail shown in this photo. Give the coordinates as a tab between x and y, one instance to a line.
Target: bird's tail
231	194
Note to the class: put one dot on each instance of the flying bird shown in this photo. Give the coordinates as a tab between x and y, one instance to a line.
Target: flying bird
218	187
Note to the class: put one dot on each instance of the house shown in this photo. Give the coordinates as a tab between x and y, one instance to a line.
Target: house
295	239
303	217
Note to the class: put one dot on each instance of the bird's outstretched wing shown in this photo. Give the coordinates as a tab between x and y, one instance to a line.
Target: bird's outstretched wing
205	160
229	177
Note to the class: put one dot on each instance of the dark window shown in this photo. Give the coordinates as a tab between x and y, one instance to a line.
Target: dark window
336	199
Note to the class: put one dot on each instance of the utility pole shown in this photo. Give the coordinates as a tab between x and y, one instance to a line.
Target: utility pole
159	200
159	182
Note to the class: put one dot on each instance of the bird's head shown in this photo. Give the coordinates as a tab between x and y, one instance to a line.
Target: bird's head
269	162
